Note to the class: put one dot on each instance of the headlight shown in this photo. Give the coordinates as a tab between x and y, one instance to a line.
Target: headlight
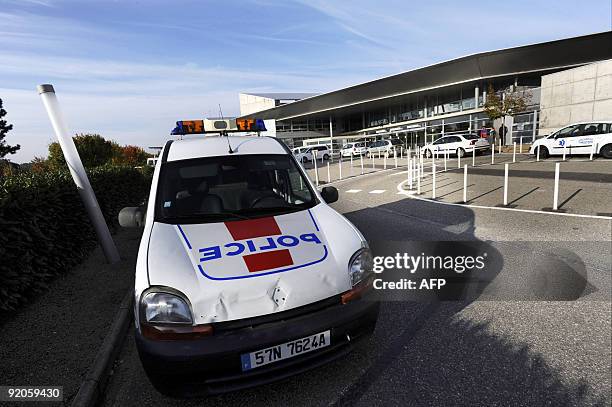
165	308
360	266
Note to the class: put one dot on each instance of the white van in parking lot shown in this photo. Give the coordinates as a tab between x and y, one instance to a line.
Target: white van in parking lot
387	148
457	144
354	149
245	274
577	138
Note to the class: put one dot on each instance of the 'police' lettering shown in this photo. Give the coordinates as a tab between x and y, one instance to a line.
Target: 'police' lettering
251	246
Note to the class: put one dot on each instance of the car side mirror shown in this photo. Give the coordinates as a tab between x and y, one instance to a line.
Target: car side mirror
131	217
329	194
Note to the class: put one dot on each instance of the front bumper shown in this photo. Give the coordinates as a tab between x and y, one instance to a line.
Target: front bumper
213	365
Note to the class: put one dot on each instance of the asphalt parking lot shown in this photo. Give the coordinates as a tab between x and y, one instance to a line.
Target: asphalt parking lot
499	349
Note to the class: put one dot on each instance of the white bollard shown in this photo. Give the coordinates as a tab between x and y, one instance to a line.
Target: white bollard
445	154
493	154
328	173
538	154
465	183
314	156
372	157
556	192
500	145
505	184
593	151
564	150
418	179
458	160
514	153
351	172
433	182
340	166
474	157
395	158
385	162
361	158
521	145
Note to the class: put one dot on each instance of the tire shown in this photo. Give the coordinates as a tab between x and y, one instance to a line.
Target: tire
326	157
606	151
428	153
460	152
544	154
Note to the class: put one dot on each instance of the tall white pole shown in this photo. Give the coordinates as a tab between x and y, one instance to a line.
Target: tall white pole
521	144
538	153
458	160
433	182
465	183
409	173
418	169
47	94
445	154
314	159
395	158
556	191
505	184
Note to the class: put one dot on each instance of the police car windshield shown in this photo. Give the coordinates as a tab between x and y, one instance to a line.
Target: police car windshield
216	189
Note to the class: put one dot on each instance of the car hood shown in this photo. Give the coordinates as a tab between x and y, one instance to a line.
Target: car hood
246	268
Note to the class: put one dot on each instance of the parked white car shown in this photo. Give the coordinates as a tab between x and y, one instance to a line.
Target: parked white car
302	154
387	148
354	149
577	139
457	144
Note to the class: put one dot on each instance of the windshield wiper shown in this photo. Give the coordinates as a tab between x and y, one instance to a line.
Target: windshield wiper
214	215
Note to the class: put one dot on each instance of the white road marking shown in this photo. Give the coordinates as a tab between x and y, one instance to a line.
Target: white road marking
377	191
401	191
353	191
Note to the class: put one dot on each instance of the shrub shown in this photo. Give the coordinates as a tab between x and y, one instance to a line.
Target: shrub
44	229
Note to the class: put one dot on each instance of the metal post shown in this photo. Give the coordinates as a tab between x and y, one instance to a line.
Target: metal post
361	157
505	184
538	153
418	169
71	155
514	152
314	156
328	173
593	149
493	154
474	157
521	145
433	182
385	161
372	157
395	158
409	173
340	166
465	183
445	154
458	160
352	164
556	193
500	142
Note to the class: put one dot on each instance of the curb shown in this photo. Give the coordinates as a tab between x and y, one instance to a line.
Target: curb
92	387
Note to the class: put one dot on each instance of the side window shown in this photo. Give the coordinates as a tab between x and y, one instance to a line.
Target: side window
454	139
592	129
441	140
577	131
565	132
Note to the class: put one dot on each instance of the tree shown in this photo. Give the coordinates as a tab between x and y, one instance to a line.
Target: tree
507	103
130	155
93	149
5	149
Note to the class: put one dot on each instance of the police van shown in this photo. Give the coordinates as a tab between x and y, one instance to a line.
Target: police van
576	139
245	274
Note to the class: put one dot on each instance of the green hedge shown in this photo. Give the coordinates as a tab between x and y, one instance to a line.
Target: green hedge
44	229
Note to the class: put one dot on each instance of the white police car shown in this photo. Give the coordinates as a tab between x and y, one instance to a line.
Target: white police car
244	275
577	139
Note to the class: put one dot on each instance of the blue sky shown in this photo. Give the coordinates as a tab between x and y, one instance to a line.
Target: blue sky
129	69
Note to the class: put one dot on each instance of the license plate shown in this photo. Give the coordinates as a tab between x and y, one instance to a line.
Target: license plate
285	350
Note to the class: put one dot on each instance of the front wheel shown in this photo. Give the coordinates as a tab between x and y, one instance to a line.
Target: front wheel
428	153
606	151
544	154
460	152
326	157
